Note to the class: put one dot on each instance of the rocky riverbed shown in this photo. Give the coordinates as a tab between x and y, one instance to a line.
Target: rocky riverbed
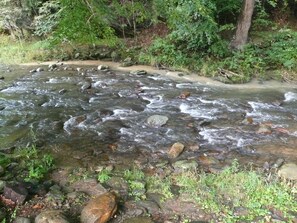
116	134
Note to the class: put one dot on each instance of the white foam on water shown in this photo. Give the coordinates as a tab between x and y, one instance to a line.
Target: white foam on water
290	96
197	112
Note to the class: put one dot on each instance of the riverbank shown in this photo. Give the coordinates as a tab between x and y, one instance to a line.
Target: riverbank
175	75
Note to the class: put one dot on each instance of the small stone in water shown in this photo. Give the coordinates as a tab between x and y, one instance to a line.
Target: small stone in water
157	120
184	95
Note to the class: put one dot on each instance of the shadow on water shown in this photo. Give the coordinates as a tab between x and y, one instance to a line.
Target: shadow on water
95	116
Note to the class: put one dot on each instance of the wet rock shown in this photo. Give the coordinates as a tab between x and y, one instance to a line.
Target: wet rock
119	185
51	216
157	120
103	67
62	91
33	71
175	150
138	72
278	163
264	129
86	86
89	186
184	95
194	147
99	209
288	171
207	160
21	220
55	195
52	66
17	193
185	165
127	62
39	69
248	121
138	220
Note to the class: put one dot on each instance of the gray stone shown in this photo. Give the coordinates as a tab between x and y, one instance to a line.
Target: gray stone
157	120
138	72
103	67
17	193
288	171
51	216
52	66
86	86
185	165
89	186
127	62
21	220
39	69
119	185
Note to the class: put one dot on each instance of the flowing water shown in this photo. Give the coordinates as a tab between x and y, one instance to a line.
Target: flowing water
92	115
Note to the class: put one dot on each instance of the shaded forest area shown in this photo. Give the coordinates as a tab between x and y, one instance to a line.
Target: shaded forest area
204	36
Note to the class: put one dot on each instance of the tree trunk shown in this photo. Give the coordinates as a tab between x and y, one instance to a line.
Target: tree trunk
243	25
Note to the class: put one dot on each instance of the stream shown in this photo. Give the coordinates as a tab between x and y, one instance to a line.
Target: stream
86	117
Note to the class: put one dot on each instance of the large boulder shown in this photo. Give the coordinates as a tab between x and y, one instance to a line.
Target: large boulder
99	209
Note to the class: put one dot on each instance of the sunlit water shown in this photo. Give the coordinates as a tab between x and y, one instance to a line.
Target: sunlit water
62	114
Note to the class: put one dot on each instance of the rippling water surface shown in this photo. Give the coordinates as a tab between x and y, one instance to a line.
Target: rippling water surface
90	112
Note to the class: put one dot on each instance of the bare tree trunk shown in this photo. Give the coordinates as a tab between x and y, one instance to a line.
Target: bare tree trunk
243	25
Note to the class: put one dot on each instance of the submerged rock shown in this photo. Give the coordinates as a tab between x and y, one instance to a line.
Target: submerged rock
288	171
99	209
157	120
264	129
184	95
175	150
51	216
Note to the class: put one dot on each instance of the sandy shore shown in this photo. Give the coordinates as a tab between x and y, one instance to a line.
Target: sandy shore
191	77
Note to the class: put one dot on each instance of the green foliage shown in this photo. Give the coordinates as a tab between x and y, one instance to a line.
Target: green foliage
231	189
48	18
156	184
130	14
136	181
104	176
38	168
84	22
33	166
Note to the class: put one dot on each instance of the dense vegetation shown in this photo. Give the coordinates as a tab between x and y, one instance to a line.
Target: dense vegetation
180	34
